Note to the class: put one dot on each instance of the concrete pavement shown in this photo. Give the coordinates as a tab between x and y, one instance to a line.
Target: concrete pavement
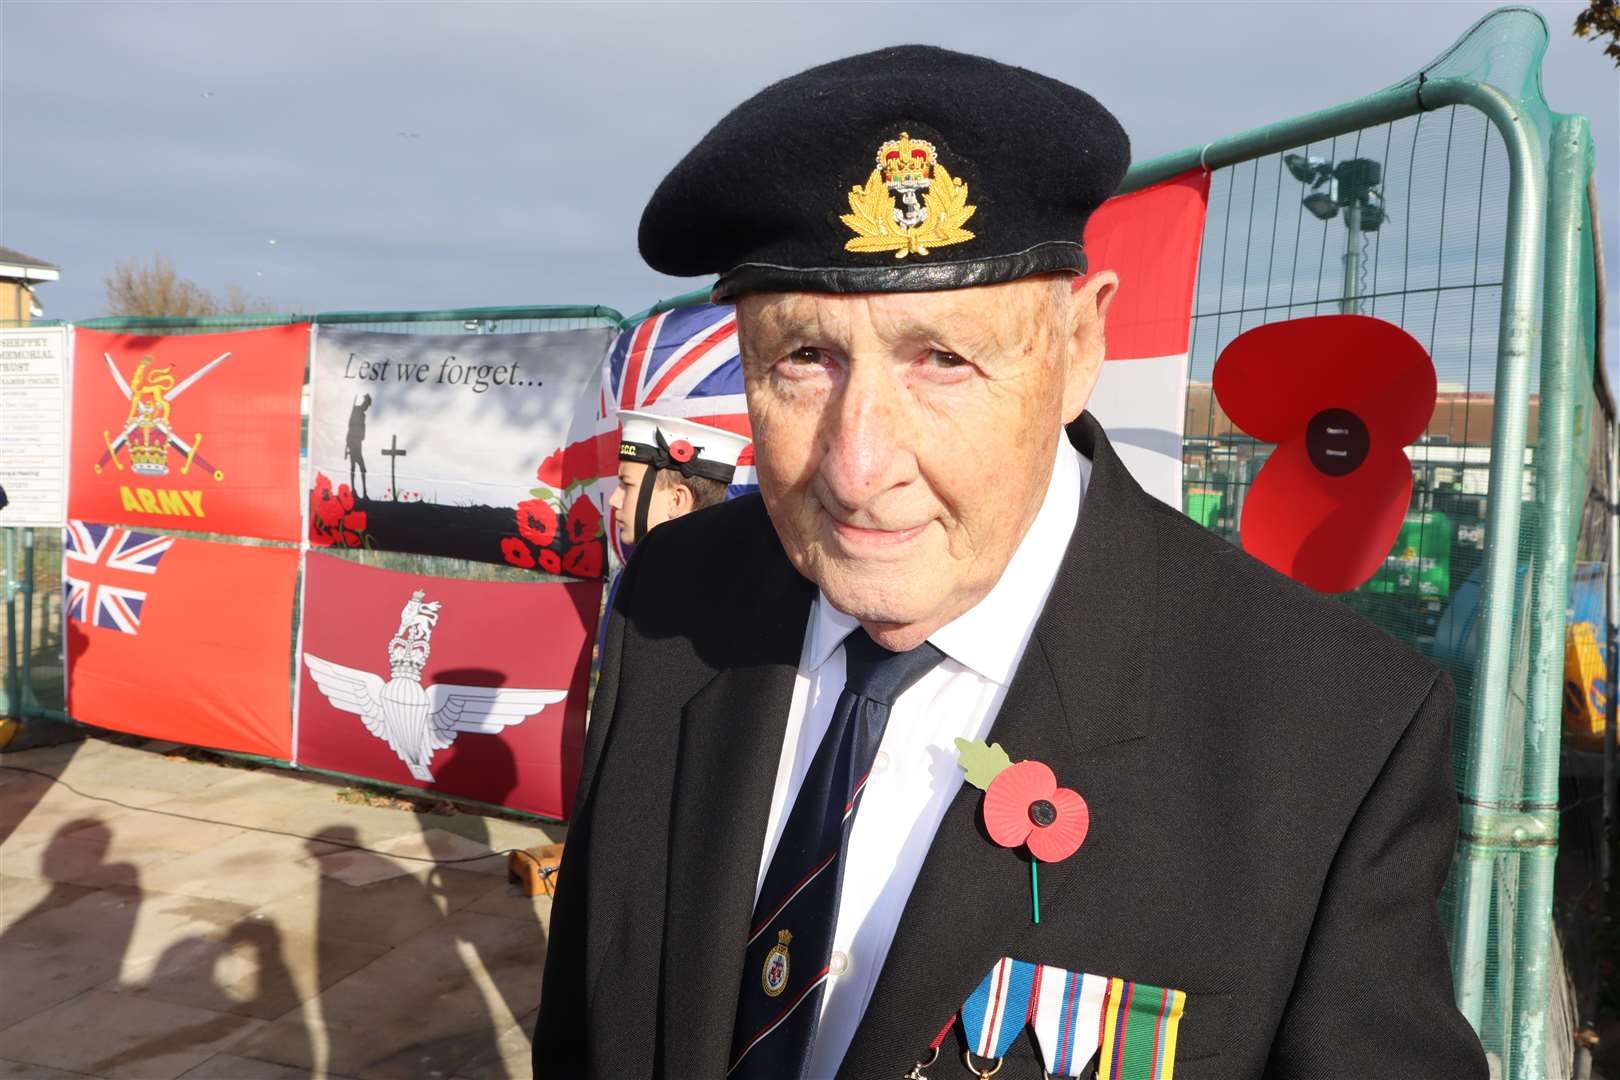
134	944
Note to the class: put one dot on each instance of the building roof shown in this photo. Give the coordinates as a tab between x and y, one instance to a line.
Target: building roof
14	265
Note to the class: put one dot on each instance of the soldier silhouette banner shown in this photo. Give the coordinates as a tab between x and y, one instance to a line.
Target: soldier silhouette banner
194	432
451	445
471	688
181	639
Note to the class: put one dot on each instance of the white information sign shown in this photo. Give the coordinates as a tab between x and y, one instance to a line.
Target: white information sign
33	426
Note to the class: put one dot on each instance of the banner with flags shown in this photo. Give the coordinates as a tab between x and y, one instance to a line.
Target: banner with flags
681	363
197	432
1150	238
451	445
471	688
180	639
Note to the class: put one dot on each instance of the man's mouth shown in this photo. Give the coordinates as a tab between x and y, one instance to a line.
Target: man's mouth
856	536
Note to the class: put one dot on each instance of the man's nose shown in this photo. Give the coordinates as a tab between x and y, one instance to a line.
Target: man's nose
864	433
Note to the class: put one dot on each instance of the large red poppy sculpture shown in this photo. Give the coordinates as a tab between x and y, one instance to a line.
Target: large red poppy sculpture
1342	396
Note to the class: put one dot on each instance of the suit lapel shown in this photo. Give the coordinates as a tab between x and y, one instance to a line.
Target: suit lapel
730	745
1081	689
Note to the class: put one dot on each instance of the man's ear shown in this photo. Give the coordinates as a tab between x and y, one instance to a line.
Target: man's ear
1090	297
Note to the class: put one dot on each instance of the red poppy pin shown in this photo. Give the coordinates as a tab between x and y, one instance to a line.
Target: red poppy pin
1023	805
1342	396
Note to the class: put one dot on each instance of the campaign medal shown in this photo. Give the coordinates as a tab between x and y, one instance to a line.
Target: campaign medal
775	976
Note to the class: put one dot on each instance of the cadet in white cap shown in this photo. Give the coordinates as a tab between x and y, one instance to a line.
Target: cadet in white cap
669	467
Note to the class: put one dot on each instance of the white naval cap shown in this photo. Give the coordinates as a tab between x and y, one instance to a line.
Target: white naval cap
672	442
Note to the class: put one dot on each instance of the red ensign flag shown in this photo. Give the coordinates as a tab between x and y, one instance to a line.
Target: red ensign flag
179	639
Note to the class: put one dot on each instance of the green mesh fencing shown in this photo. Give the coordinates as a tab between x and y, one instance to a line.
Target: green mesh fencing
1472	232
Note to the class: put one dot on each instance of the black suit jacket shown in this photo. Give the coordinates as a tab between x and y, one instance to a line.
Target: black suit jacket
1269	777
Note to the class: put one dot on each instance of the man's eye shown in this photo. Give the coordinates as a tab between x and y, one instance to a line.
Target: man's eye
806	354
943	359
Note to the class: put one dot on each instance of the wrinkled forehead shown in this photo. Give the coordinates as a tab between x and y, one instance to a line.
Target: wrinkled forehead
1001	315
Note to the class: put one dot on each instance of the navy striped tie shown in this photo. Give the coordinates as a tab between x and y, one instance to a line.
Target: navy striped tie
791	932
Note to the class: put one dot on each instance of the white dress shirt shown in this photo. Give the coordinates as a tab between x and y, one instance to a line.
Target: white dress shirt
915	775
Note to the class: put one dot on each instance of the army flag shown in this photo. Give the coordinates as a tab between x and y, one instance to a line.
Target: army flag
452	445
1150	238
195	432
181	639
471	688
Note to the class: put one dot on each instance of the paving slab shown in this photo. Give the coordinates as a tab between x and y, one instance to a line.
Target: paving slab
84	852
252	868
499	834
512	1057
508	902
440	1001
415	850
108	1035
159	831
240	1068
150	776
23	796
387	912
116	937
18	1070
368	825
51	758
254	968
21	897
247	797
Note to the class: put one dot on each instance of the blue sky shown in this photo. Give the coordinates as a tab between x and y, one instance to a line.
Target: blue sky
437	155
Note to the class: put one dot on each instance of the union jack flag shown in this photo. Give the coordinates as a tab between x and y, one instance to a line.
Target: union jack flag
683	363
97	564
678	363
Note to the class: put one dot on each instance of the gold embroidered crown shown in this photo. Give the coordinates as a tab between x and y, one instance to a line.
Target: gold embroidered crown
906	160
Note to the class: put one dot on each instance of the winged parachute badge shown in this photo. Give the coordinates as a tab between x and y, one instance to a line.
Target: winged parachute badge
910	204
418	721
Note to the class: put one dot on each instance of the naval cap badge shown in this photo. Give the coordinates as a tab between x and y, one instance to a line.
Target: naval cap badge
910	203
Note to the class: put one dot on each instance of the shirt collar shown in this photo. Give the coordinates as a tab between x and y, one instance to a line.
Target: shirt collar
989	638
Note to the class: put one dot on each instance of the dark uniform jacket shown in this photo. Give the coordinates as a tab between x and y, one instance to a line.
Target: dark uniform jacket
1269	779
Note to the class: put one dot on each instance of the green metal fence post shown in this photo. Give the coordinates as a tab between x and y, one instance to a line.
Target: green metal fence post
13	683
1563	379
25	688
1480	788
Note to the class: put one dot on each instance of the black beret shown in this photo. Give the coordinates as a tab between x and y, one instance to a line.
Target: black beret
900	170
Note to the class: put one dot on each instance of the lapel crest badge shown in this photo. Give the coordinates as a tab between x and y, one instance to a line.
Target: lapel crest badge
910	203
775	976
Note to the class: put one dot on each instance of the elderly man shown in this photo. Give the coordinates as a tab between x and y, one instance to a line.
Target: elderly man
1237	795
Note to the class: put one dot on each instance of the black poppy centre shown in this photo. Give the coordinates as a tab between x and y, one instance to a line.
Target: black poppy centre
1042	812
1337	442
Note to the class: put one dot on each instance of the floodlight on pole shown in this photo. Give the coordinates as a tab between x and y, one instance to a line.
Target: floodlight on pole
1321	204
1352	185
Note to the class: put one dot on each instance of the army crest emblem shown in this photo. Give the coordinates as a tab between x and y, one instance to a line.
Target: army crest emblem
775	976
909	204
148	434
